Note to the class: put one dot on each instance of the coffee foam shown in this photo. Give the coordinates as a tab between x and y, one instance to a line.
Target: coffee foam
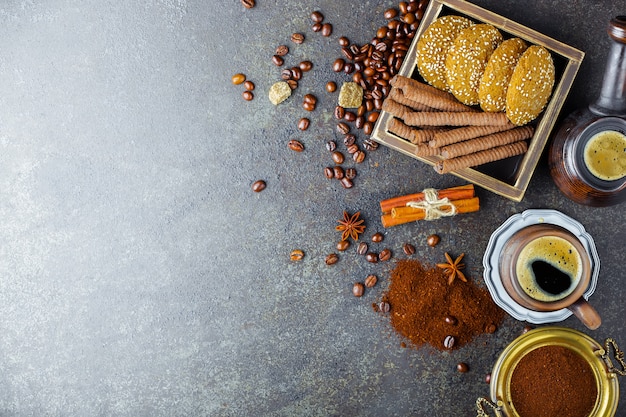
557	252
605	155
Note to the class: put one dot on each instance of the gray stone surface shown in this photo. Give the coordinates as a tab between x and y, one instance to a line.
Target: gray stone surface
140	276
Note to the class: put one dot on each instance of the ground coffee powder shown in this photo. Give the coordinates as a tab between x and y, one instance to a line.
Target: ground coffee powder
426	310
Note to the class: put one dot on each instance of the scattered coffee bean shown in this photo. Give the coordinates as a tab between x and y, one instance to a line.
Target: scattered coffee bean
343	245
338	65
343	128
247	95
295	145
293	84
316	27
296	255
351	173
296	73
305	66
371	257
338	172
337	157
349	139
349	116
362	248
408	249
331	259
285	74
248	85
358	157
308	106
390	13
384	255
343	41
278	60
339	112
304	123
370	145
282	50
377	237
258	186
462	367
346	182
451	320
370	281
297	38
327	29
352	148
449	342
310	98
358	289
248	4
490	328
373	117
433	240
368	128
384	307
238	79
329	173
331	145
331	86
317	16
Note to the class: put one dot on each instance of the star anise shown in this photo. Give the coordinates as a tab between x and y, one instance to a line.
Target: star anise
351	226
453	268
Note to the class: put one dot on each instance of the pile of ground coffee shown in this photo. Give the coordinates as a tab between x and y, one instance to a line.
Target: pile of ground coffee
426	310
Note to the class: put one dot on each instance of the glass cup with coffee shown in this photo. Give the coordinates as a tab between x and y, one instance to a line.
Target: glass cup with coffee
544	267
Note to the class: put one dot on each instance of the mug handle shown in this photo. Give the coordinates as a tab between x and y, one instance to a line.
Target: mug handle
586	313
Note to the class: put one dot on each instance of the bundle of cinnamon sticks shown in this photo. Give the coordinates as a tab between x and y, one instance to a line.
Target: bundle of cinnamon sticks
440	125
414	207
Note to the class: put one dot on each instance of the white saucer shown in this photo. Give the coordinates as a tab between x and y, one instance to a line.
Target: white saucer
494	248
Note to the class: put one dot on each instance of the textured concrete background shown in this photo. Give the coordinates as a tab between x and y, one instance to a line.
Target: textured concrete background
140	276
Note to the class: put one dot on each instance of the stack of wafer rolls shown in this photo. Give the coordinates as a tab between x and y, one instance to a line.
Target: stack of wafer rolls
439	125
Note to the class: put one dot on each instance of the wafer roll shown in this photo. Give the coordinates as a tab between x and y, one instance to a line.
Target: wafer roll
425	98
395	108
481	157
413	135
460	134
398	95
413	118
487	142
402	82
425	150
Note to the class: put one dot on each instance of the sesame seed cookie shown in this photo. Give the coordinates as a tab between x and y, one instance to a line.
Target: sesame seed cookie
495	80
531	85
433	45
467	58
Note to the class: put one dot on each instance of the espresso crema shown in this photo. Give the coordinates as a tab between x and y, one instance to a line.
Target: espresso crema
549	268
605	155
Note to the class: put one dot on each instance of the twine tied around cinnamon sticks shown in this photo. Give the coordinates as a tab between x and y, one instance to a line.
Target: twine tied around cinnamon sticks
433	206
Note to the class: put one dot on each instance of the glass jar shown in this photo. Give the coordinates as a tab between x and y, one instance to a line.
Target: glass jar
597	356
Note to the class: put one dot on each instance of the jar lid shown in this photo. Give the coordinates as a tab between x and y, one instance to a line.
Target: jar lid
591	352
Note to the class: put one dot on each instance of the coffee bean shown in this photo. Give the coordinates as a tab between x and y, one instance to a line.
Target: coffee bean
339	112
451	320
249	85
329	173
343	41
348	68
349	139
338	65
370	281
331	87
351	173
331	145
362	248
353	148
296	255
278	60
296	73
304	123
358	156
282	50
238	79
295	145
337	157
371	257
308	106
331	259
384	307
285	74
248	4
338	172
382	32
408	249
358	289
377	237
343	245
310	98
349	116
247	95
432	240
316	27
358	122
384	255
373	116
343	128
327	29
462	367
317	16
346	182
293	84
306	66
370	145
368	127
258	186
390	13
449	342
490	328
347	53
297	38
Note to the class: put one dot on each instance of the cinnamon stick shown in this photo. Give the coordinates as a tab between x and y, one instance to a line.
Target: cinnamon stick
453	193
409	214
